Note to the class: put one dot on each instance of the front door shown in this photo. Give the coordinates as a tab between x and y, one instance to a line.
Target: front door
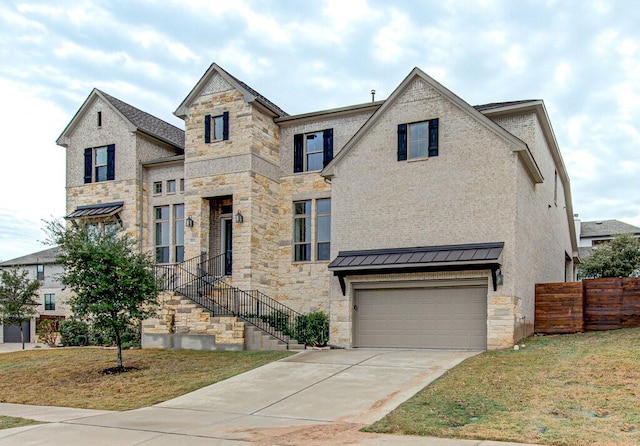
227	247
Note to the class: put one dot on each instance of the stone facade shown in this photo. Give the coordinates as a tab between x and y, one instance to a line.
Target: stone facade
498	177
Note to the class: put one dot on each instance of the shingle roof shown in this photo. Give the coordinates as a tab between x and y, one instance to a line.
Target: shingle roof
260	97
484	107
605	228
37	258
147	122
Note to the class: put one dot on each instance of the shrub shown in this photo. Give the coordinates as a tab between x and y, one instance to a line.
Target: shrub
313	329
73	333
47	330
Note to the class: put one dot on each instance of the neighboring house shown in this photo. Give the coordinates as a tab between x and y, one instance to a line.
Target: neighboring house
417	221
592	233
52	298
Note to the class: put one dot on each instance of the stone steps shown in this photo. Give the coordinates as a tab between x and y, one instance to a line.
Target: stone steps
256	339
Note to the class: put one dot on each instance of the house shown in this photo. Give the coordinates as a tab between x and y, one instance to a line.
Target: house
52	297
592	233
415	221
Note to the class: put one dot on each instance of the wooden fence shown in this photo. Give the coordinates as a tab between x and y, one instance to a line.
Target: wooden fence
593	304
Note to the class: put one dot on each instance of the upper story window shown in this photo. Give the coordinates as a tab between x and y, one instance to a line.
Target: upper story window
99	119
99	164
157	187
50	302
312	151
216	128
40	272
418	140
171	186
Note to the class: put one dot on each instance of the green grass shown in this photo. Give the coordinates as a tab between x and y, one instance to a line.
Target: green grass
71	377
581	389
9	422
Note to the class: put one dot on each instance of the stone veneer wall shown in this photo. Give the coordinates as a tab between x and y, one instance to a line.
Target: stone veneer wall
180	316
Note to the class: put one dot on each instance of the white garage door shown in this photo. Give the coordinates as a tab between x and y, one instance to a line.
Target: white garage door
448	317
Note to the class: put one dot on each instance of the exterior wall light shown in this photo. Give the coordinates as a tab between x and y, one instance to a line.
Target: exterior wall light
189	222
239	217
499	278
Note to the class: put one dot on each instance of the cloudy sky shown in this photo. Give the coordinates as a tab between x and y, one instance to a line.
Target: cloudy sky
581	57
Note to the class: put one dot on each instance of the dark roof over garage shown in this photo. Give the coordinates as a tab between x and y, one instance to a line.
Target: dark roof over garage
423	256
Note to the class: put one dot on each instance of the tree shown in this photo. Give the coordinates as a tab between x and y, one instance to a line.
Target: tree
618	258
114	285
17	298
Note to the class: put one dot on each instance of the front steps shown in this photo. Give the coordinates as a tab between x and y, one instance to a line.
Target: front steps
256	339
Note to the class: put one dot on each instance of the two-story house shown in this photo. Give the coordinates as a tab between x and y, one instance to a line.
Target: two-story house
415	221
52	297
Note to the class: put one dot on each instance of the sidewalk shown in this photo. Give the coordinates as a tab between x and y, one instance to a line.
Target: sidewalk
17	346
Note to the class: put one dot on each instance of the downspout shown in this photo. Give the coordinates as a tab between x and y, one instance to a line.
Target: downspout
140	208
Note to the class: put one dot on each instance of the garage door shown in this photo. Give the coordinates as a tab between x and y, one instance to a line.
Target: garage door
454	317
12	332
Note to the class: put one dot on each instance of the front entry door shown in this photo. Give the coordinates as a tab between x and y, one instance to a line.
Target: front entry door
227	246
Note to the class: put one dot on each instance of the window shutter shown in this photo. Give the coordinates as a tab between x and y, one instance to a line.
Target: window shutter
88	165
207	128
298	152
111	162
433	137
402	142
327	152
225	126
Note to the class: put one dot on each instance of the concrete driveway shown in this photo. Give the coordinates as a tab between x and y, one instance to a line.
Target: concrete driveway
314	397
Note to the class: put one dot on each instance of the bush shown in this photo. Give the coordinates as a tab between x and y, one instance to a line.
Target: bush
47	330
313	329
73	333
130	337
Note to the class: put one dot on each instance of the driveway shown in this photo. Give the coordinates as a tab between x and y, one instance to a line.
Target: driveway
314	397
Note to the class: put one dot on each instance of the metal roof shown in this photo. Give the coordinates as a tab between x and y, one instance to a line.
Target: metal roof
96	210
423	256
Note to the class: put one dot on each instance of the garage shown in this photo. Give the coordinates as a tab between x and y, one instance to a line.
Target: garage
11	333
421	317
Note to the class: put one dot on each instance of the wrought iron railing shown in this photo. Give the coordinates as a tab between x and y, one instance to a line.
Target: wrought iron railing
197	280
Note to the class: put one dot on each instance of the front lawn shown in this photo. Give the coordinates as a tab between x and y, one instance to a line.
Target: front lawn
71	377
581	389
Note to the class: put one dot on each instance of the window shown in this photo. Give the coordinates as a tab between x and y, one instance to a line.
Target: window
99	119
306	212
312	151
162	234
323	229
50	301
171	186
178	230
40	272
157	187
99	164
302	231
418	140
216	126
181	184
555	187
169	233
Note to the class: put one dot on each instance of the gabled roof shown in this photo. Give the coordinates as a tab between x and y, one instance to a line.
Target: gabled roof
606	228
37	258
137	120
517	145
250	95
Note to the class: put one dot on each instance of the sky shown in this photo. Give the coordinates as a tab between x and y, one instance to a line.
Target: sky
581	57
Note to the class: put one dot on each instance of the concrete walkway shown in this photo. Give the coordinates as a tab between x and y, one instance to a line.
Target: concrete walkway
312	398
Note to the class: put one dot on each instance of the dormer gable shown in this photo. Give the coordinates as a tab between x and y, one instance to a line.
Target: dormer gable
135	120
215	80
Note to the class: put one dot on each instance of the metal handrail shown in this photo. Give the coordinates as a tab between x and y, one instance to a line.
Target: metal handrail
193	279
